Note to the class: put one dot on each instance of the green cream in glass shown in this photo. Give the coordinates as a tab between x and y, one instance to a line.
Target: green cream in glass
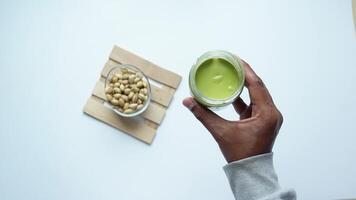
216	79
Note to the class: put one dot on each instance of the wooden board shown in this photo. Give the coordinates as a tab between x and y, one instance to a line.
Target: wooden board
144	126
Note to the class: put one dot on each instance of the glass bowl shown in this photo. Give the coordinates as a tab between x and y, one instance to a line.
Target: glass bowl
133	69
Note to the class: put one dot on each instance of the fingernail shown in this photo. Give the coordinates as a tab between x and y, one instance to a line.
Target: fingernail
189	103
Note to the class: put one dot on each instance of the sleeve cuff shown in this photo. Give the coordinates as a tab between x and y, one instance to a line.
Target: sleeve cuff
253	177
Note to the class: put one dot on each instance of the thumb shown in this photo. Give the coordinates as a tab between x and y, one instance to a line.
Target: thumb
209	119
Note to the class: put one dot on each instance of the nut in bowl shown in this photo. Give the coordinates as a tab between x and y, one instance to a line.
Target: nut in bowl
127	90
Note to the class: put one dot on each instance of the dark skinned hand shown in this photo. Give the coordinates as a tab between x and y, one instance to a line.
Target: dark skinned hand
257	128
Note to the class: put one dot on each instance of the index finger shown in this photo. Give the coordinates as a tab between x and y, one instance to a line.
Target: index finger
256	88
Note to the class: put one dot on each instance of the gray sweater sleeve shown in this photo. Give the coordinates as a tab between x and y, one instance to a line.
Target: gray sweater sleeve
254	178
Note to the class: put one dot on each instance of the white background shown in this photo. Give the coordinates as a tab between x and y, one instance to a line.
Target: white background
51	54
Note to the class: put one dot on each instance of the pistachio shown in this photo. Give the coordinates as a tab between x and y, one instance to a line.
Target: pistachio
125	98
125	82
121	102
119	75
114	102
133	106
109	90
126	106
136	80
114	79
117	90
143	91
135	88
124	70
109	97
139	84
127	111
139	107
134	98
142	97
131	79
117	96
125	76
127	91
131	94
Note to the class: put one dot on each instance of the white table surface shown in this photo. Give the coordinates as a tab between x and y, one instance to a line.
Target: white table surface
52	52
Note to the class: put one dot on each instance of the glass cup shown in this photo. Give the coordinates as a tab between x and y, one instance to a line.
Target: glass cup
210	102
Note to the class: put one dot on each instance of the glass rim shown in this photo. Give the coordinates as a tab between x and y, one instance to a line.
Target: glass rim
227	56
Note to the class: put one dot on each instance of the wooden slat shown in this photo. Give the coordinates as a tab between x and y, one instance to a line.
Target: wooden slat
163	95
151	70
154	111
108	66
144	131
